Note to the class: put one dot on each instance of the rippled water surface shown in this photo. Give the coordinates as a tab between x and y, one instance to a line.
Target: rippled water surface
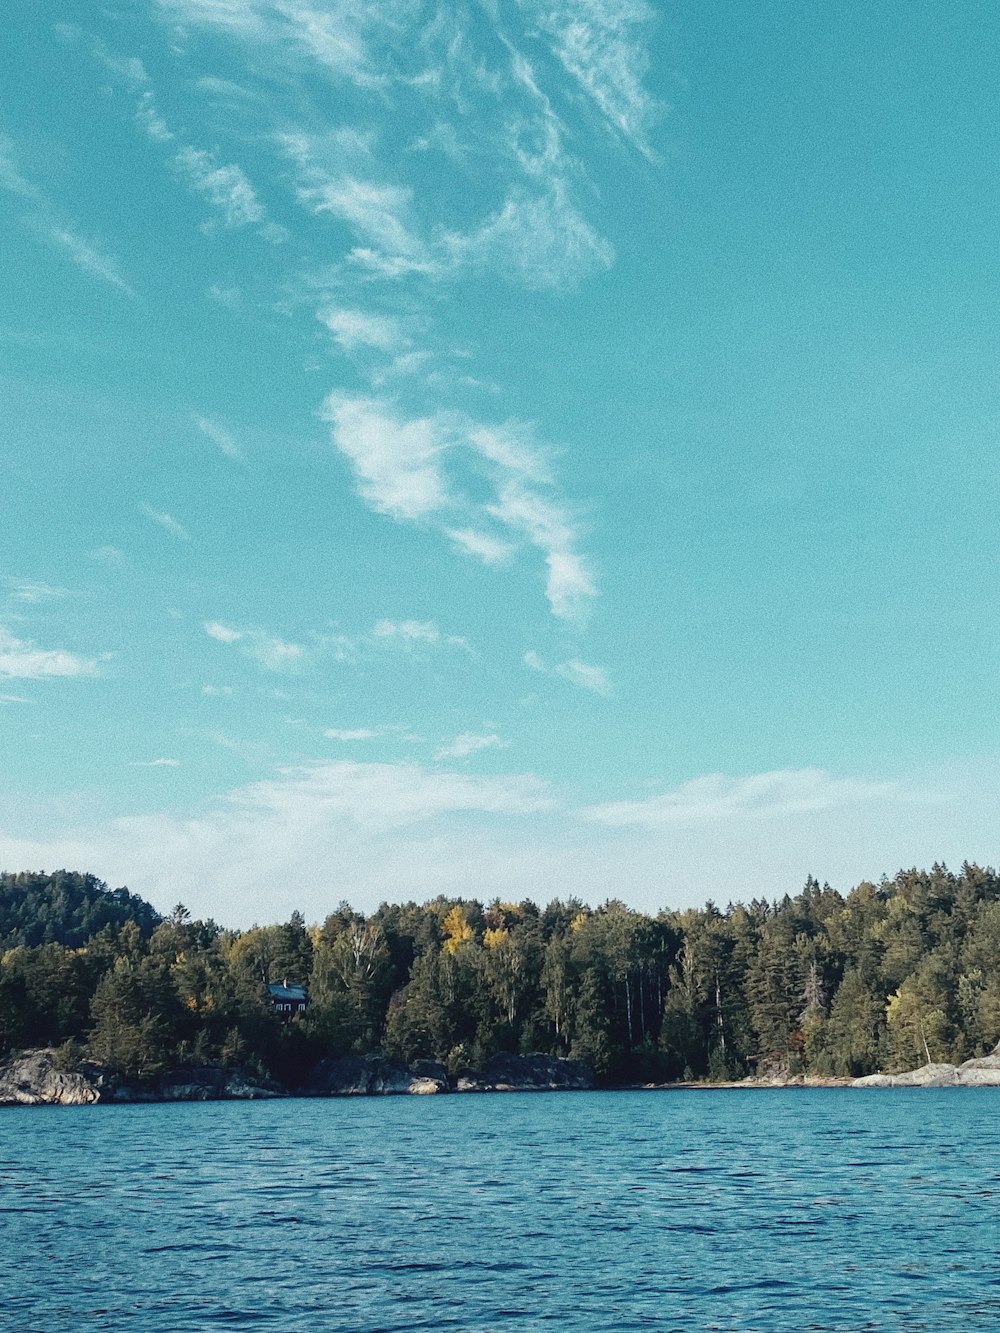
723	1210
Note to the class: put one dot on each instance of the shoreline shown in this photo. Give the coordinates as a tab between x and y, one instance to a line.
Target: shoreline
33	1078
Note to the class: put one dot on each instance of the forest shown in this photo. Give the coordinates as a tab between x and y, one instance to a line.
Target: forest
890	976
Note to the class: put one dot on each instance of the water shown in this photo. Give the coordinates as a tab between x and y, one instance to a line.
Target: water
725	1210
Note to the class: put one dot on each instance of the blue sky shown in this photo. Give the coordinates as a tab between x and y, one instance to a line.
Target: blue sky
527	448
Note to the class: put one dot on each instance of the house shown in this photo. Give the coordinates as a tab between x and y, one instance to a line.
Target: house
287	1000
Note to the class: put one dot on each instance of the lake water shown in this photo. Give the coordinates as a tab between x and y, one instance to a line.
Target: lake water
715	1210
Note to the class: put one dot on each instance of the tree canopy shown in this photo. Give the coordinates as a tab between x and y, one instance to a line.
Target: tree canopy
888	976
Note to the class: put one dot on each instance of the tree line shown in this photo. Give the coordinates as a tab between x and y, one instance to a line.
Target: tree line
889	976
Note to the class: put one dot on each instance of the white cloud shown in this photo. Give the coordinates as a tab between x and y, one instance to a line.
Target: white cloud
251	853
537	238
514	448
355	329
350	734
397	463
155	763
375	212
83	253
332	36
32	592
217	691
276	654
593	678
167	522
400	468
547	525
148	117
88	258
717	797
490	550
411	632
229	859
226	187
272	653
470	742
602	44
14	699
230	297
108	555
224	633
220	437
22	660
243	18
10	175
391	266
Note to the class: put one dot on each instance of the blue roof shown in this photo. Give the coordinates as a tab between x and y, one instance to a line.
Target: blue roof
278	991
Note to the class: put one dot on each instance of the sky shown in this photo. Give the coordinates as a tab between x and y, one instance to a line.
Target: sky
519	448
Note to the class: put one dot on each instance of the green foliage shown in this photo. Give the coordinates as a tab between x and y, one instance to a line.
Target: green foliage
888	976
65	908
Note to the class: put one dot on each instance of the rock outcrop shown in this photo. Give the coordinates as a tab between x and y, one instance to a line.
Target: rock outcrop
528	1073
32	1079
210	1083
374	1075
983	1072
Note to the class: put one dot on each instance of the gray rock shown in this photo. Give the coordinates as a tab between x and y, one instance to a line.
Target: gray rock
984	1072
213	1083
30	1079
373	1076
528	1073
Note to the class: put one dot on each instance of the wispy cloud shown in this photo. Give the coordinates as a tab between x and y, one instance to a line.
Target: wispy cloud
718	797
155	763
603	45
88	257
227	858
356	329
470	742
167	522
149	119
412	470
350	734
593	678
436	830
32	592
23	660
220	437
397	463
272	653
225	187
490	550
412	632
546	524
108	555
11	177
538	237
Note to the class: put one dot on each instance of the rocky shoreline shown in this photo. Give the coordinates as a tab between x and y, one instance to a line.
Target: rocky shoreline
34	1078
